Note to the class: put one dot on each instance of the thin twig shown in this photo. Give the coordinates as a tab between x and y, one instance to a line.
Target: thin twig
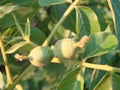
90	65
7	69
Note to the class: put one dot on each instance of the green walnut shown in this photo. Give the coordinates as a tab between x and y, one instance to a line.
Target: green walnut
40	56
65	49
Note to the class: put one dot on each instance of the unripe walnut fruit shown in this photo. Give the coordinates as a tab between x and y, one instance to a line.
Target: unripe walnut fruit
65	49
40	56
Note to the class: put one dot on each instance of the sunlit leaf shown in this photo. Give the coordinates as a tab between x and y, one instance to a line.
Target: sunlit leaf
27	30
86	21
72	81
115	8
12	40
10	32
99	44
25	12
110	81
11	36
15	47
5	9
18	26
104	16
52	2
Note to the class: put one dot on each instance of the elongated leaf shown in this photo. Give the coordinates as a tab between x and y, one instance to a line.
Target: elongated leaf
10	32
13	40
72	81
52	2
86	21
11	35
115	8
5	9
100	43
2	84
18	26
109	82
15	47
27	30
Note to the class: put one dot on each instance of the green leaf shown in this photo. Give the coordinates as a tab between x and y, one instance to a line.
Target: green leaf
115	8
5	9
9	32
27	31
7	21
52	2
37	36
86	21
11	36
15	47
103	14
12	41
110	81
58	10
2	84
99	44
72	81
18	26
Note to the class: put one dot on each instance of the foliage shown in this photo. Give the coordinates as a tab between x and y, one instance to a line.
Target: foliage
25	25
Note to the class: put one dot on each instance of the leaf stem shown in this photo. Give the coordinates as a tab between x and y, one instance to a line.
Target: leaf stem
67	12
7	69
90	65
